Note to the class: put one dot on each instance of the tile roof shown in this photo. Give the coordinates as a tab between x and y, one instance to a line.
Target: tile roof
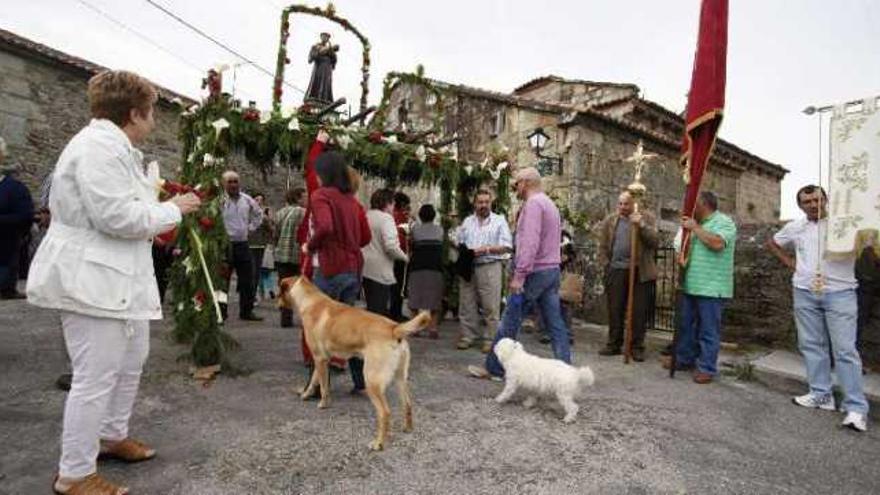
569	115
538	81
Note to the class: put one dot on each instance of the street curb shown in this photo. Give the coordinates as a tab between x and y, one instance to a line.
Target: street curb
792	384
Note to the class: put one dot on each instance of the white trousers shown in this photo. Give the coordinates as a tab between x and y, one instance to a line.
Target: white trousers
107	357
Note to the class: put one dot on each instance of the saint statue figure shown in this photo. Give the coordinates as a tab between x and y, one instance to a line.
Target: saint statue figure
323	55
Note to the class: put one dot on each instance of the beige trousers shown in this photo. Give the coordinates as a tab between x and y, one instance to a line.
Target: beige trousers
482	293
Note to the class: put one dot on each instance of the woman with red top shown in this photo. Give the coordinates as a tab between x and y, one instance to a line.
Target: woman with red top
339	230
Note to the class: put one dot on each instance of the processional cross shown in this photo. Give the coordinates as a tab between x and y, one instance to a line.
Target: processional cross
639	159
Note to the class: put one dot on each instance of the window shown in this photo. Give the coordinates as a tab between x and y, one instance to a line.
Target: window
496	124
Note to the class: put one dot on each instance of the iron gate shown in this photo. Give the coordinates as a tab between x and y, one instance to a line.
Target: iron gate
661	296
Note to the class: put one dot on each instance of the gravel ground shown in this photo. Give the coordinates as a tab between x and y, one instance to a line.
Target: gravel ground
637	432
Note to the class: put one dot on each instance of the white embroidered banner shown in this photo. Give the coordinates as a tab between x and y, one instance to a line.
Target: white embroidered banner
854	188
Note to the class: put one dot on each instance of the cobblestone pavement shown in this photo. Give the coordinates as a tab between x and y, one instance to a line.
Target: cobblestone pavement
637	432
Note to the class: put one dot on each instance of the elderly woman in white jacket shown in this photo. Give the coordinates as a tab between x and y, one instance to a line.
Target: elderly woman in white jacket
381	253
95	266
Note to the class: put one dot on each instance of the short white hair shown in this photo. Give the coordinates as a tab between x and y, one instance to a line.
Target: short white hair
229	174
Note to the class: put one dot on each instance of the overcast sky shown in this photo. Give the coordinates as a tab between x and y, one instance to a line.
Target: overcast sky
783	55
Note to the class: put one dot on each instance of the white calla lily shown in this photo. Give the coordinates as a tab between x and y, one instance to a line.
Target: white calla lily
344	140
293	125
220	124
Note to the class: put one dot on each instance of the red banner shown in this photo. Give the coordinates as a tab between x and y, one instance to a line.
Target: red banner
705	100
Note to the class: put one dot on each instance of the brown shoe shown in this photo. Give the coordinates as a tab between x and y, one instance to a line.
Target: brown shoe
128	450
702	378
486	348
90	485
463	344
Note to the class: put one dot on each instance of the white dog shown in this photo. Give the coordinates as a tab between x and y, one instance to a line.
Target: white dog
540	376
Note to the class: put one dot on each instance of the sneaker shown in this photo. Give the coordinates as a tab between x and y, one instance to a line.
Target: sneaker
482	373
813	401
856	421
463	344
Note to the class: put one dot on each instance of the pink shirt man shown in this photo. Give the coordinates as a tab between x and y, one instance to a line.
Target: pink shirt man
538	234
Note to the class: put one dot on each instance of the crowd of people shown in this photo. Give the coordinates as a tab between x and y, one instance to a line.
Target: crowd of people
94	266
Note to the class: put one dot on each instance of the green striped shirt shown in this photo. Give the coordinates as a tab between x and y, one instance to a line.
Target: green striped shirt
287	222
710	273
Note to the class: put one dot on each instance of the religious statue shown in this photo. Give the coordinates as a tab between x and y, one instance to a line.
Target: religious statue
323	55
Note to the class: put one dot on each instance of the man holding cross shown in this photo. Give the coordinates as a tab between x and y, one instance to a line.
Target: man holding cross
615	244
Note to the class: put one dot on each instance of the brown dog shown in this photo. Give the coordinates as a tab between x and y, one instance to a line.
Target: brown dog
335	329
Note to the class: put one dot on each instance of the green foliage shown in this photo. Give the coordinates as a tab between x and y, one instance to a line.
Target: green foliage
398	159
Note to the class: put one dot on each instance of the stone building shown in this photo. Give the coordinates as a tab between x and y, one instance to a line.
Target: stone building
593	127
43	104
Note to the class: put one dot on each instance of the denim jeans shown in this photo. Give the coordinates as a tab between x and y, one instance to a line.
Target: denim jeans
344	287
699	333
837	311
540	290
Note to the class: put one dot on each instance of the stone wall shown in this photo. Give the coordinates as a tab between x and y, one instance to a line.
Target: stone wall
759	313
757	197
43	104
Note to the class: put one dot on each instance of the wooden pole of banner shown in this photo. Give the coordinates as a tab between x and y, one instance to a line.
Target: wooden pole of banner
631	284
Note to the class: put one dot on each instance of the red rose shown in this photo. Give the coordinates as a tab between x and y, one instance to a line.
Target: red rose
206	223
166	238
199	298
251	115
375	137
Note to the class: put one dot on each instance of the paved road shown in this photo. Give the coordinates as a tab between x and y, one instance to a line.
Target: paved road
638	432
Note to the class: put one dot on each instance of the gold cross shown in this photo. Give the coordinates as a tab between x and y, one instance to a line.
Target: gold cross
639	159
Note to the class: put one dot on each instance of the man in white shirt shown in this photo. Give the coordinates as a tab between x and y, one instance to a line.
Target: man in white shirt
824	305
488	235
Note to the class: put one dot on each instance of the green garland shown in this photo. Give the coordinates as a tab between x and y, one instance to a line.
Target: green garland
417	78
218	128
